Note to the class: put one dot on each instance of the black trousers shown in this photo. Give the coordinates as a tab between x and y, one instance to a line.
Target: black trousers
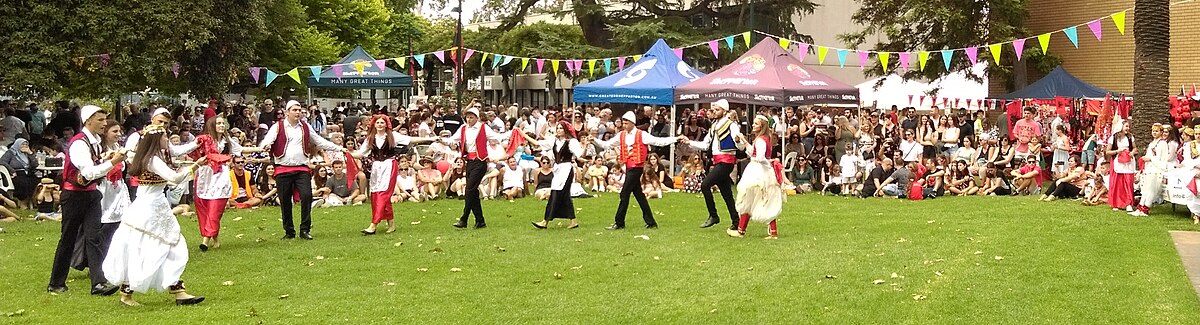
288	184
81	215
475	170
719	176
633	185
1063	191
79	259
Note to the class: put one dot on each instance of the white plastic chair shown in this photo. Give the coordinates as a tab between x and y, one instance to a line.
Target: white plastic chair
6	180
789	161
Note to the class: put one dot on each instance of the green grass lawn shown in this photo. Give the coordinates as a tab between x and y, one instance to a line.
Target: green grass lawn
838	260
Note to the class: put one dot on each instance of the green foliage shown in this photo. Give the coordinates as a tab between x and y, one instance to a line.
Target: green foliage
351	22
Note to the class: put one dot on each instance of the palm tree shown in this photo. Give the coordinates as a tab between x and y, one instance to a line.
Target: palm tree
1151	66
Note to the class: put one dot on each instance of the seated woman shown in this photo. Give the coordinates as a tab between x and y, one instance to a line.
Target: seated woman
489	187
406	186
21	165
596	174
543	176
430	180
693	174
457	178
243	195
651	186
266	185
513	177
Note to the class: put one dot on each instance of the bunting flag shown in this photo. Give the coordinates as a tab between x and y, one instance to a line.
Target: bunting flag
729	42
1119	20
821	52
316	72
175	69
883	60
910	97
923	57
621	63
801	51
1073	35
972	54
679	53
441	56
337	71
105	57
863	57
922	102
554	66
712	45
254	71
483	60
1019	47
419	59
466	56
402	61
904	58
359	66
270	77
995	49
454	57
295	74
591	67
507	60
540	63
496	60
524	63
1097	29
745	37
784	43
841	55
381	64
636	58
1044	39
608	66
947	55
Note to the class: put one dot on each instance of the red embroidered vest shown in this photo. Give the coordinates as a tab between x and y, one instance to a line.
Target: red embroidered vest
481	152
632	157
72	179
278	148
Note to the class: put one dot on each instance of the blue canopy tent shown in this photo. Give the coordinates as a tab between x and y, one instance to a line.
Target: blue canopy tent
1057	83
651	80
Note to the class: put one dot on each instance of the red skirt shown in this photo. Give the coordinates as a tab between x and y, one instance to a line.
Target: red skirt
1120	190
381	202
208	213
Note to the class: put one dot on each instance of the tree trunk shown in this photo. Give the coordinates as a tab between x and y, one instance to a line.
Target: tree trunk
593	23
1151	66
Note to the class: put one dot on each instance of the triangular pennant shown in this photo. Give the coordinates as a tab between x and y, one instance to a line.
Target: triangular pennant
381	64
995	49
922	102
621	63
1044	39
636	58
591	67
467	56
337	71
801	51
1097	28
554	66
784	43
821	52
254	71
419	59
524	63
295	74
679	53
1072	35
904	58
175	69
496	60
441	56
1119	20
910	97
729	42
270	77
883	59
507	59
972	54
1019	47
947	55
712	45
401	61
863	56
316	72
922	57
540	63
359	66
608	66
483	59
454	56
841	55
745	37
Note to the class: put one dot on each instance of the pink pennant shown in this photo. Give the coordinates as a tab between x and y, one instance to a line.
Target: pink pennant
337	71
922	102
679	53
712	45
904	57
381	64
910	97
1019	47
104	60
863	56
801	51
621	63
1096	28
468	55
979	103
973	54
175	69
441	56
254	72
945	102
578	66
540	63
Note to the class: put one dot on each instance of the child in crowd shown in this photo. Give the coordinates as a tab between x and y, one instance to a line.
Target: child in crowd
651	186
850	163
47	195
616	177
596	175
832	180
1097	190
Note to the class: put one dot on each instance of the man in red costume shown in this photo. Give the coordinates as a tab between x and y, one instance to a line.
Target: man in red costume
473	137
632	151
292	142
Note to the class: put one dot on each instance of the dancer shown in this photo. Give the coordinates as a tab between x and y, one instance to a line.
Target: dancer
724	154
472	139
161	117
213	180
378	153
632	152
148	251
759	195
565	149
1121	151
84	167
1161	154
292	142
114	197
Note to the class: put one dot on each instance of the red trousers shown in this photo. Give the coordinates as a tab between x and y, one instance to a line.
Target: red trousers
208	213
745	219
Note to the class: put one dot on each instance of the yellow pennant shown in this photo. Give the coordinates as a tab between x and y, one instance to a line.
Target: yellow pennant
524	63
995	48
883	59
295	74
1044	39
746	37
923	57
554	66
359	66
591	68
636	58
402	61
783	42
821	52
1119	19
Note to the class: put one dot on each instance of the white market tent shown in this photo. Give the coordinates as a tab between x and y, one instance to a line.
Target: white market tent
895	91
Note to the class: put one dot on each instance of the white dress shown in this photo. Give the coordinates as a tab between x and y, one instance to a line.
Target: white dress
758	191
216	184
148	251
114	198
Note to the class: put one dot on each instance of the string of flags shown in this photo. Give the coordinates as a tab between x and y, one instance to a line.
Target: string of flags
576	67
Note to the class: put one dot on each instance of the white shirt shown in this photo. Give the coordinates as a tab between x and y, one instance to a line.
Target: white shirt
472	133
407	183
381	141
647	139
513	177
911	150
715	146
81	157
293	152
132	141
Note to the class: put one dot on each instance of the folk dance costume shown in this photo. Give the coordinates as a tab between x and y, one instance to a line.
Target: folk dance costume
1160	156
759	197
724	154
291	145
564	152
131	143
82	171
1191	164
473	147
379	153
148	251
214	182
632	151
114	200
1120	187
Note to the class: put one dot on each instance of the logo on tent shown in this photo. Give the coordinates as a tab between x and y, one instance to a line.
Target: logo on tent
798	71
750	65
366	72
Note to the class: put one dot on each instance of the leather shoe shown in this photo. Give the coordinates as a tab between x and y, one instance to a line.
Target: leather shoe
710	222
305	235
105	289
615	227
652	226
189	301
460	224
733	227
56	289
480	225
289	236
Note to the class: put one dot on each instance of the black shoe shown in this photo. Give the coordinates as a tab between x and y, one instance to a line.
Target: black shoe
189	301
615	227
652	226
56	289
536	225
733	226
105	289
289	236
480	225
305	235
203	248
460	224
711	221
